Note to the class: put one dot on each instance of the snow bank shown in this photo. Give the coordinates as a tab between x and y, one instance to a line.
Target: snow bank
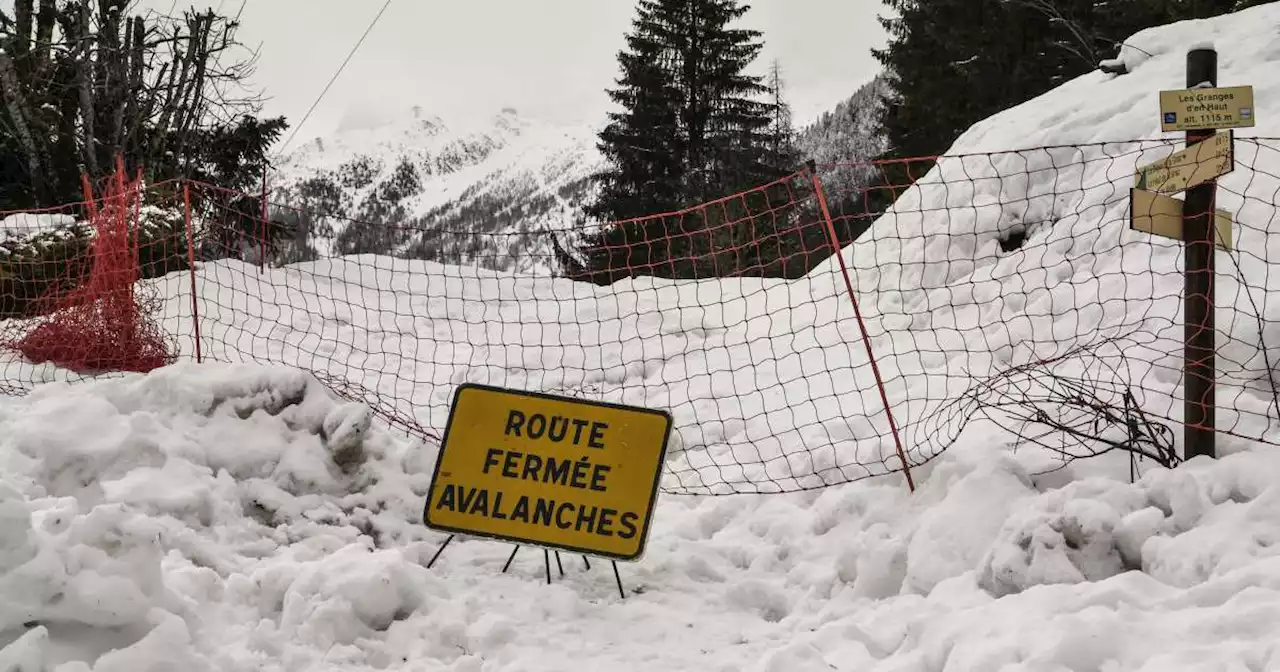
126	505
200	518
934	281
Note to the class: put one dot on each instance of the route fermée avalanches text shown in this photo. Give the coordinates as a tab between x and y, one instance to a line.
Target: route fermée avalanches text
578	473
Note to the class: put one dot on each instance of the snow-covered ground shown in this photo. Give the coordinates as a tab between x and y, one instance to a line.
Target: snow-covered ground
482	189
195	519
237	517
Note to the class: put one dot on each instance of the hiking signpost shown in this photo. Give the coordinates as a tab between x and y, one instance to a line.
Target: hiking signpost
1162	216
1197	164
1207	115
557	472
1197	109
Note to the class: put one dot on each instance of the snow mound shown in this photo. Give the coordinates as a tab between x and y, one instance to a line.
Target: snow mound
1183	527
127	504
196	518
936	284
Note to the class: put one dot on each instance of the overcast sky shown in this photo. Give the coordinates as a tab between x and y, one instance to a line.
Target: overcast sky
549	59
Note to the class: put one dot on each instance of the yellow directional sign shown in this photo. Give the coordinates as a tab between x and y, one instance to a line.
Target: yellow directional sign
1204	109
549	471
1206	160
1161	215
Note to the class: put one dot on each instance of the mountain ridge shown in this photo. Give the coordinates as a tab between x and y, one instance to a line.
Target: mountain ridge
484	191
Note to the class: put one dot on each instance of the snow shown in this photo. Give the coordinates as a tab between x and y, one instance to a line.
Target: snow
461	163
1111	64
936	279
196	517
25	223
17	230
238	516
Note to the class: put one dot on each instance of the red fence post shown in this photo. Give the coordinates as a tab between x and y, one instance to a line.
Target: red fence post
191	264
834	240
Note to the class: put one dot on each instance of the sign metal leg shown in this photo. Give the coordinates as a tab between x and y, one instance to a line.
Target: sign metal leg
439	551
510	558
618	577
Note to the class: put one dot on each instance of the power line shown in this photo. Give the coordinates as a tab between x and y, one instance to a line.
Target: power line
336	75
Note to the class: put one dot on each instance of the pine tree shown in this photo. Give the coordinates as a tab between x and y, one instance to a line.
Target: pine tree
641	144
952	63
694	126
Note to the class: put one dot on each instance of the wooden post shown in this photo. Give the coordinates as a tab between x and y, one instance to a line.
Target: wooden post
1199	328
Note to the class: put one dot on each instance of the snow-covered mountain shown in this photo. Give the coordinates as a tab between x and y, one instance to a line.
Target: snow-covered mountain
487	191
842	140
476	191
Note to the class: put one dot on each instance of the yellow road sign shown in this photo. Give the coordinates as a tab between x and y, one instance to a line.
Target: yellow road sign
1204	109
1206	160
1161	215
550	471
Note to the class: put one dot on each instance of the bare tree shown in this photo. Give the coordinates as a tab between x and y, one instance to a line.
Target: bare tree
85	81
782	134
